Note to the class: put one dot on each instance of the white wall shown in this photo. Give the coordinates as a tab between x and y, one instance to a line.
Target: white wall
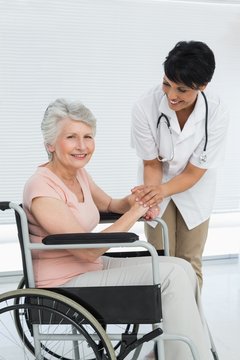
106	53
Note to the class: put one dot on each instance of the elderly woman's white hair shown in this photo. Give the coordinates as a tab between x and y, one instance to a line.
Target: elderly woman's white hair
61	109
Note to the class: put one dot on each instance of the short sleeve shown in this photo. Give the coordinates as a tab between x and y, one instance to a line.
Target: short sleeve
142	137
38	186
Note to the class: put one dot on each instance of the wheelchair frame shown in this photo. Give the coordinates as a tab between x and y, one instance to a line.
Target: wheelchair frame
81	299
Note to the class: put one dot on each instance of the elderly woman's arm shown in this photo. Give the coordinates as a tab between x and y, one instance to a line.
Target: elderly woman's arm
58	219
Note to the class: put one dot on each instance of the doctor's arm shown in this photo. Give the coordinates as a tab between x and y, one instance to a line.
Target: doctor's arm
152	194
152	172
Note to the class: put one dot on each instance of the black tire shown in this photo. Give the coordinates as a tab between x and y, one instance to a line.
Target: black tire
55	316
125	329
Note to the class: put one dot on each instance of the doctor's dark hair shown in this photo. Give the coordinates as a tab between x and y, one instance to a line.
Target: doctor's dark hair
191	63
59	110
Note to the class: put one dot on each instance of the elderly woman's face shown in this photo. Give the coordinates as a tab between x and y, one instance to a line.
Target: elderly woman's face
74	144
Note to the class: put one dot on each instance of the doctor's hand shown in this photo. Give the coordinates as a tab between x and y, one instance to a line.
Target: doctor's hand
148	195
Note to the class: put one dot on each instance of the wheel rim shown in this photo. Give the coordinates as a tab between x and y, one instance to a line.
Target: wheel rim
63	315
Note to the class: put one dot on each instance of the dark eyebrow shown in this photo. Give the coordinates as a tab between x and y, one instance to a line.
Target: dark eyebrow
181	87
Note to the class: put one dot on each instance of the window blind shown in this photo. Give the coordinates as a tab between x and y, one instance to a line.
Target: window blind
105	53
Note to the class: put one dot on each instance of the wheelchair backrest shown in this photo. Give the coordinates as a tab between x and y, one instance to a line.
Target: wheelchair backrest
21	242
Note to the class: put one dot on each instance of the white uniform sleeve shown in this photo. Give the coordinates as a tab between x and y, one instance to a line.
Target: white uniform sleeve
143	137
217	134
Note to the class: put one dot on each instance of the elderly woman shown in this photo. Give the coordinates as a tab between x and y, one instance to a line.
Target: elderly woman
61	197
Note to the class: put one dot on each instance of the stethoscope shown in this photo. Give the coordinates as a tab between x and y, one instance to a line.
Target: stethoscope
203	155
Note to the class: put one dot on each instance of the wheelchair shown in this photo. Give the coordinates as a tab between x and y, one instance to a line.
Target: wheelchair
87	323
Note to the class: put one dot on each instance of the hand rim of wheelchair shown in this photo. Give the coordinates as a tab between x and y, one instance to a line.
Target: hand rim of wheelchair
21	285
106	352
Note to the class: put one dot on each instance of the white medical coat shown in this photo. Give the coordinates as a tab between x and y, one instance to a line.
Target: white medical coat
196	203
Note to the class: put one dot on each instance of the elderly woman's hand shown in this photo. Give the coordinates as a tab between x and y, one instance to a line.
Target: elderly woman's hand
141	209
152	213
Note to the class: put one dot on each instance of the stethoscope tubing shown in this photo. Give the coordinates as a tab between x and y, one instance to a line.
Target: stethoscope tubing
206	121
203	155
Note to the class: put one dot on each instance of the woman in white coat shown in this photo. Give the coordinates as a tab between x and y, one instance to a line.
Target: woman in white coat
179	131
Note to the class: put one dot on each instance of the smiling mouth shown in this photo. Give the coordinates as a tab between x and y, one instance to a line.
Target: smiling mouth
174	102
79	156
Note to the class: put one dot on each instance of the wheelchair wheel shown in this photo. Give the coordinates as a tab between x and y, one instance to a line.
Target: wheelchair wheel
50	326
123	329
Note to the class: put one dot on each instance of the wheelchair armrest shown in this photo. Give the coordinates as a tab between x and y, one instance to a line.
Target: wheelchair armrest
4	205
109	217
90	238
98	240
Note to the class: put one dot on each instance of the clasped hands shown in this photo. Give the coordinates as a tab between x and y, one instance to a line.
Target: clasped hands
149	196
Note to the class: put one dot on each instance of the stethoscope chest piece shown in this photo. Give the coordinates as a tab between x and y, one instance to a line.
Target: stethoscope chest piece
203	157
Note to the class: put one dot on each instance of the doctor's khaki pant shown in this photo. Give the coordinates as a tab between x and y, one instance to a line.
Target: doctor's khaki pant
181	300
183	243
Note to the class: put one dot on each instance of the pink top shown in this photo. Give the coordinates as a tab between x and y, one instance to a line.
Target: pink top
55	267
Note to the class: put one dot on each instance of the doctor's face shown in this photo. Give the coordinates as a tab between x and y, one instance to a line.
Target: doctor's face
179	96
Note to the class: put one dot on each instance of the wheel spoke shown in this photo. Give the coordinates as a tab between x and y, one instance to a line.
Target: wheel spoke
62	328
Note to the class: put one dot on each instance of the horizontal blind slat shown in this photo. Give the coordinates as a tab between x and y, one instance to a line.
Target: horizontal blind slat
105	53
